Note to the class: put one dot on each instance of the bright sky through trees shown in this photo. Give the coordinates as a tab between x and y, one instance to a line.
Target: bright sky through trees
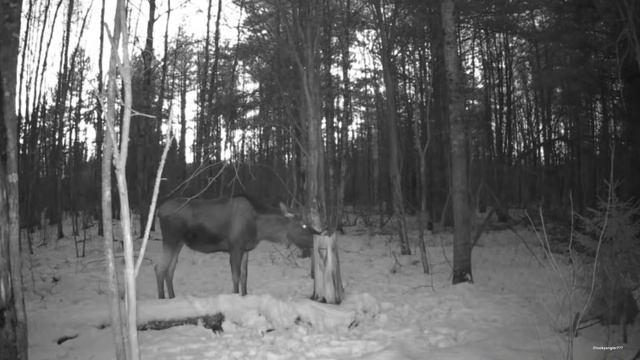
190	15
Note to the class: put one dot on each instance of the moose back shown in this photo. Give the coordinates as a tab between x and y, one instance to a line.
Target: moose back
231	224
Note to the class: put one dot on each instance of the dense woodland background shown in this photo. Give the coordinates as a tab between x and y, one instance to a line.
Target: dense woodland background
387	107
551	92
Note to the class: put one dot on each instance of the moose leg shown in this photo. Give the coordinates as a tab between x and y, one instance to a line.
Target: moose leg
171	270
235	258
161	269
160	274
243	272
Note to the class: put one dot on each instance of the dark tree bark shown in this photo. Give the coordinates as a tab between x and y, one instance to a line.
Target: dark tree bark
37	99
27	33
231	111
13	330
459	155
304	36
30	167
163	74
343	145
182	156
40	158
75	79
212	113
201	127
311	108
62	89
144	139
329	112
387	34
422	140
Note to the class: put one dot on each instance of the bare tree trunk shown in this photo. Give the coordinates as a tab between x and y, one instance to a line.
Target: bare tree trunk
75	75
304	34
31	166
374	135
387	30
48	153
231	112
212	115
183	125
27	32
100	125
115	306
201	127
163	75
159	116
38	99
421	124
61	99
120	157
459	156
346	112
329	113
13	331
143	130
121	178
628	12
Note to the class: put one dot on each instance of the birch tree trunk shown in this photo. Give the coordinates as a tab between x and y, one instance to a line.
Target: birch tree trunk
100	138
115	306
120	157
121	178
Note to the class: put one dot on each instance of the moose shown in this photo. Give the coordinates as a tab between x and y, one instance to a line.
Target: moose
230	224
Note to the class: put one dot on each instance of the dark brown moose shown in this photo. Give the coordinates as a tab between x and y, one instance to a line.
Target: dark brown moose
231	224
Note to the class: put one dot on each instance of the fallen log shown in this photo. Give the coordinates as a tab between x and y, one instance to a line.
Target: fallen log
262	312
212	322
243	311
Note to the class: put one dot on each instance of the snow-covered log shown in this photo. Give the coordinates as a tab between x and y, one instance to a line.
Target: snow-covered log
244	310
213	322
259	311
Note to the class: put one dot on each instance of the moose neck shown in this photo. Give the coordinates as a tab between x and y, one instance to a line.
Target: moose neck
271	227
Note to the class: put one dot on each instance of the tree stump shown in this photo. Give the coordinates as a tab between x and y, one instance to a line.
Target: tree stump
327	282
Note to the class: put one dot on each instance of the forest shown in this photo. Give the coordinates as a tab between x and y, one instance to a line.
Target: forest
550	95
377	110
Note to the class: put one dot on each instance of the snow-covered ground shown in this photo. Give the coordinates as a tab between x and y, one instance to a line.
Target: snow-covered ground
392	310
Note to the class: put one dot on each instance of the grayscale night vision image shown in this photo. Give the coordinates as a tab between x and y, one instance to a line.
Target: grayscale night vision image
319	179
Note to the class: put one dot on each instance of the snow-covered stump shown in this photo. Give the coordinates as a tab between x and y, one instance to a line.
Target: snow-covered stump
327	282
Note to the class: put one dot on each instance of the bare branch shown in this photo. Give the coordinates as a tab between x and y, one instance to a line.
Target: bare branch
154	197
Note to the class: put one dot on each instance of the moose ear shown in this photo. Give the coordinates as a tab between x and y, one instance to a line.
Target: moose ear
285	211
